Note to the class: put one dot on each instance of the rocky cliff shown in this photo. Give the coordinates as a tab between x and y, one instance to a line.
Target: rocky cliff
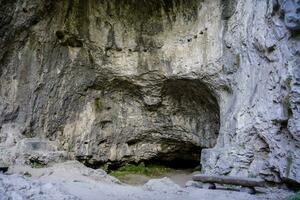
112	82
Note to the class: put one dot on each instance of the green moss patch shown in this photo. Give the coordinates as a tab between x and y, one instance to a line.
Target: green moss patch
36	164
98	104
141	169
296	196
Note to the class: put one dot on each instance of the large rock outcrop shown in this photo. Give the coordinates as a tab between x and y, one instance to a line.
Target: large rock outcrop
159	80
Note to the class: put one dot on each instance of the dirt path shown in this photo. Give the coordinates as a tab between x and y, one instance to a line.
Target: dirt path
179	177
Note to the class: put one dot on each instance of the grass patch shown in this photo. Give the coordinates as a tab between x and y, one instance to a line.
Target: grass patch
141	169
289	161
36	164
98	104
295	196
230	187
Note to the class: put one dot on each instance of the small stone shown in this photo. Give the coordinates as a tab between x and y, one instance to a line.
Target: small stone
193	184
27	174
211	186
249	190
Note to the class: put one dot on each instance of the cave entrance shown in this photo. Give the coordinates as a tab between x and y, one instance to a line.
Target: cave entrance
137	55
191	122
170	133
186	121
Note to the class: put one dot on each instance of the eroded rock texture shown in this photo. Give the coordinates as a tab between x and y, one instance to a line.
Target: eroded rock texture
159	80
291	12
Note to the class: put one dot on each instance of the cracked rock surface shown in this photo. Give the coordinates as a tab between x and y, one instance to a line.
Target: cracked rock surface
115	82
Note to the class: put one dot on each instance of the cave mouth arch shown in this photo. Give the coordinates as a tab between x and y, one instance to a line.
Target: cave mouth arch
171	133
195	118
124	128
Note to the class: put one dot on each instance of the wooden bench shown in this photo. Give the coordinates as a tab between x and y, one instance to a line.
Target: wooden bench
247	184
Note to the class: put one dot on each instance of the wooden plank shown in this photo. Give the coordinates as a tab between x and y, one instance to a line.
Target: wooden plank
230	180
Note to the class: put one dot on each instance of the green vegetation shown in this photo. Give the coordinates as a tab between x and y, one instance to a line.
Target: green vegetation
238	60
288	82
289	161
36	164
231	187
60	135
296	196
286	99
98	104
287	105
70	147
141	169
243	146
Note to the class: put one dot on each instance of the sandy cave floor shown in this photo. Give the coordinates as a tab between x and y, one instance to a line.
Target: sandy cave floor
72	180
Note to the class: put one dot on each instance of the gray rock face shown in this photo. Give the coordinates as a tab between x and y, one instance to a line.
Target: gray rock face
117	81
126	126
164	185
291	12
18	187
103	87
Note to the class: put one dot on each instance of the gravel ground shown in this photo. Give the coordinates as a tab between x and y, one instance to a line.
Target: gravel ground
72	180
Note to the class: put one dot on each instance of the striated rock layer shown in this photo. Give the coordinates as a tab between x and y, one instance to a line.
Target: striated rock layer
113	82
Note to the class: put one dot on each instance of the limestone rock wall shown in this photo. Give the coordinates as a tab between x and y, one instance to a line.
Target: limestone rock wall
112	81
130	81
260	126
